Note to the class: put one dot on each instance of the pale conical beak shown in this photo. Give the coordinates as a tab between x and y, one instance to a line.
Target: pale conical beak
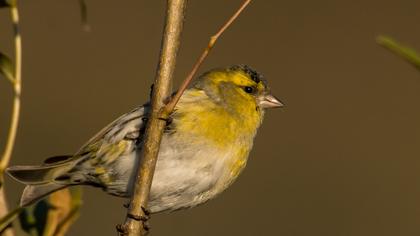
269	101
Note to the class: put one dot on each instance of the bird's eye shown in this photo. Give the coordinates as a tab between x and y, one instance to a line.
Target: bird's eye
248	89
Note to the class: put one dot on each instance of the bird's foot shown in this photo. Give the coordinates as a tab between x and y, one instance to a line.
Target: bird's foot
122	229
144	218
145	211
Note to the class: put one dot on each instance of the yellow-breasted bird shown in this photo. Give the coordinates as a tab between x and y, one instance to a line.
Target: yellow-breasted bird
203	150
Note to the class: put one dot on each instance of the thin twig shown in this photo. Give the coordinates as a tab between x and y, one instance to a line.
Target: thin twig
17	90
171	105
170	43
15	111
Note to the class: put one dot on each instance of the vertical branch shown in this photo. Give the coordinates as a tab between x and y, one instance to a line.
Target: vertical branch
16	82
134	224
16	89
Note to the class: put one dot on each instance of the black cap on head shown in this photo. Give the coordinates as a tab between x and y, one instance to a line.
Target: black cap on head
255	76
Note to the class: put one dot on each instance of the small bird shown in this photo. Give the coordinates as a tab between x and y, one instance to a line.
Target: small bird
204	148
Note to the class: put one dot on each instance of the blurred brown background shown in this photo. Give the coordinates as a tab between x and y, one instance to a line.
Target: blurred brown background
342	158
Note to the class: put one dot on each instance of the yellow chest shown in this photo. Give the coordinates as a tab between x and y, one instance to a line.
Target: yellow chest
231	132
207	120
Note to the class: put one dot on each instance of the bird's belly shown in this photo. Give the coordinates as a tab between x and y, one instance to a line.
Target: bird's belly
185	179
185	176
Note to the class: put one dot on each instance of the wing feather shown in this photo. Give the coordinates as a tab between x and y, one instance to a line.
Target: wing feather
126	128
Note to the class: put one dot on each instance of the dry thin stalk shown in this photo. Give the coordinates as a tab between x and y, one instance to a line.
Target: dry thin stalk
171	105
15	111
170	43
17	90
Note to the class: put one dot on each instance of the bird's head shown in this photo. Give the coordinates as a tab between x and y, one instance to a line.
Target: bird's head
239	87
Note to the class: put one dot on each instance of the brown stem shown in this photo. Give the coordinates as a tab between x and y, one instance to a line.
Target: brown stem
15	111
154	130
171	105
17	90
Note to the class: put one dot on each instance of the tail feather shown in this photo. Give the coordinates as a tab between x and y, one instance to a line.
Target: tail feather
40	180
38	174
34	193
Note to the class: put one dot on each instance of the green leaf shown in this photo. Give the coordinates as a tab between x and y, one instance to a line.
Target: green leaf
7	68
7	219
399	49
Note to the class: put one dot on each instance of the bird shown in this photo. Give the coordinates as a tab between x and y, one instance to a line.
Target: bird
205	146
